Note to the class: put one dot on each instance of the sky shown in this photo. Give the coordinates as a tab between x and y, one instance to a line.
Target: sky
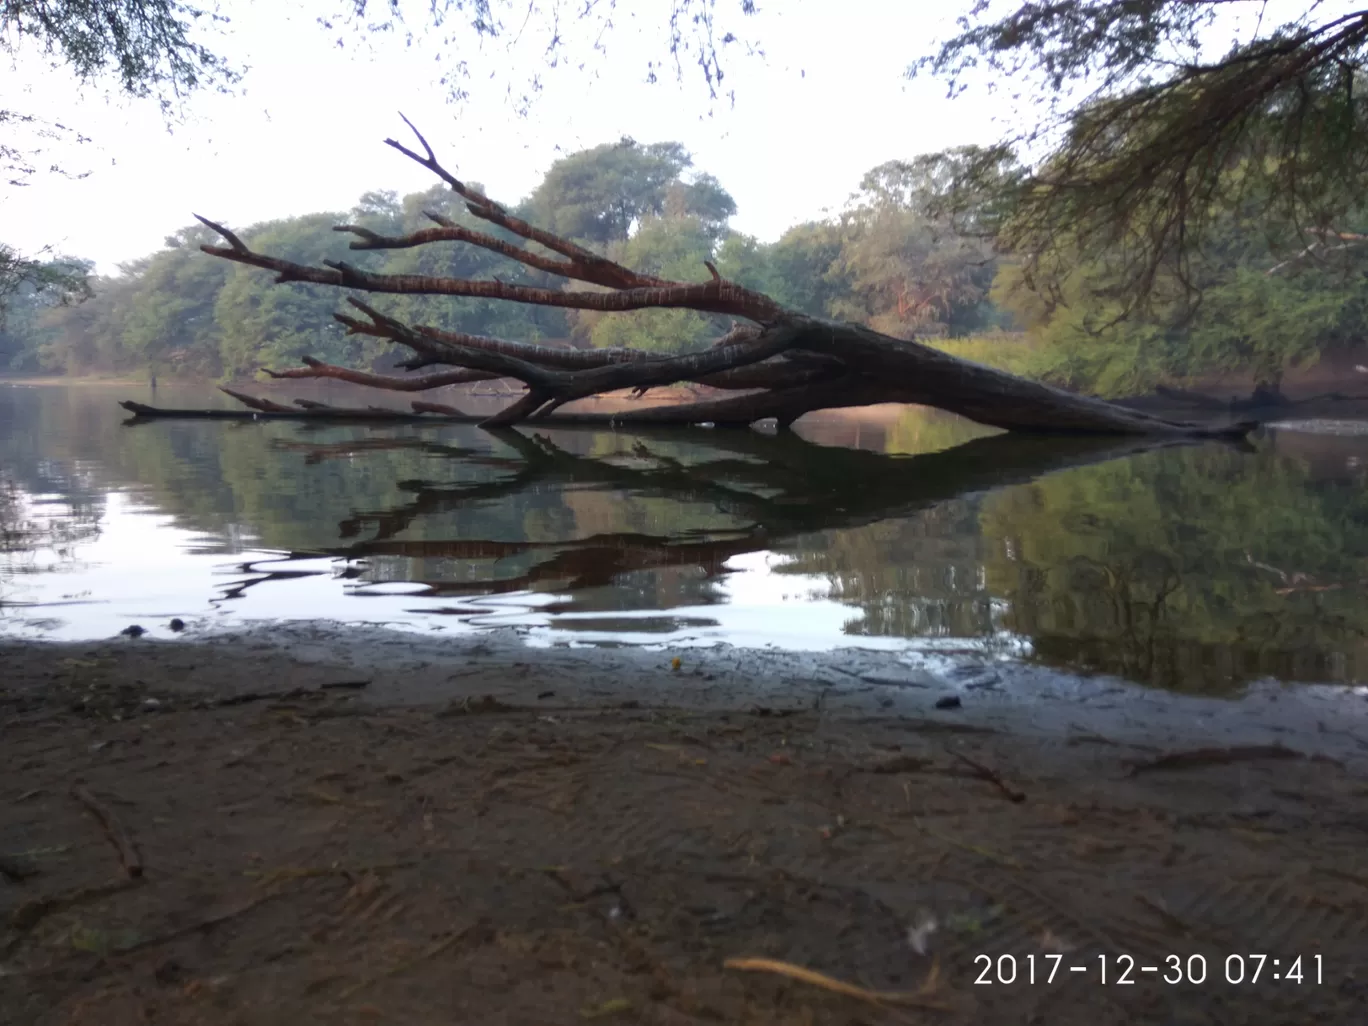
827	101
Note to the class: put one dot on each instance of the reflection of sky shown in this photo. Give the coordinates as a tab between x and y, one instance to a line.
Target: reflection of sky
141	568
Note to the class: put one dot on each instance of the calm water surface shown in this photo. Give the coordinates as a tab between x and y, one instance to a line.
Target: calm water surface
1198	568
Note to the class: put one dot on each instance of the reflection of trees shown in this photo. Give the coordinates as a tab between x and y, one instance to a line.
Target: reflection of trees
914	576
1200	570
26	530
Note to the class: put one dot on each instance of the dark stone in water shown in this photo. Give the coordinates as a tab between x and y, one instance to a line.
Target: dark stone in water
133	631
176	624
949	702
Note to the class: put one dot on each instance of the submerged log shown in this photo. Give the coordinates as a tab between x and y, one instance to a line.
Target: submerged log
788	363
143	411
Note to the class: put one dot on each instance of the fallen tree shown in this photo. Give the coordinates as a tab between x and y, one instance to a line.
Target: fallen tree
782	364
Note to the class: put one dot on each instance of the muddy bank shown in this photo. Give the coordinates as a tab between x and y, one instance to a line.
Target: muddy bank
379	828
984	691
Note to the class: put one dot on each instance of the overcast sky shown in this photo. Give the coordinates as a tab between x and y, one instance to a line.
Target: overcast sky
827	102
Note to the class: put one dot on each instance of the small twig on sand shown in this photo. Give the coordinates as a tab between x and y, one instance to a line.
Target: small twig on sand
114	830
917	998
991	775
1198	757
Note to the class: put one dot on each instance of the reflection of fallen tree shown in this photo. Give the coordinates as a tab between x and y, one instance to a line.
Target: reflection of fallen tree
771	488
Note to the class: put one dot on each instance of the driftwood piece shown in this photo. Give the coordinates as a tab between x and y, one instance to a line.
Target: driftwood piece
794	363
118	836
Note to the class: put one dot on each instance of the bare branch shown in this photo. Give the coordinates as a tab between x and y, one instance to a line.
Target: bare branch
261	405
431	163
717	296
238	245
610	274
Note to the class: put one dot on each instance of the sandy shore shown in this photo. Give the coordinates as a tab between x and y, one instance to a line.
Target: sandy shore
308	824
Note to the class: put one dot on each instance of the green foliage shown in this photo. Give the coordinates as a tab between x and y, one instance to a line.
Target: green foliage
261	324
171	322
58	281
806	268
668	247
1009	351
600	195
1257	315
28	289
909	272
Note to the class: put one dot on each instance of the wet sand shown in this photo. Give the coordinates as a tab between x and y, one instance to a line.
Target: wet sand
312	824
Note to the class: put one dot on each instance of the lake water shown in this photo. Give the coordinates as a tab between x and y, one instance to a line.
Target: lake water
1197	568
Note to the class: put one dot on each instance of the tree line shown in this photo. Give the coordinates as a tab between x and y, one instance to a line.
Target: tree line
906	256
884	259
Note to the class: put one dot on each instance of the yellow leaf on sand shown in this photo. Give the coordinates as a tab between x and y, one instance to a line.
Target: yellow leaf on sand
921	998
